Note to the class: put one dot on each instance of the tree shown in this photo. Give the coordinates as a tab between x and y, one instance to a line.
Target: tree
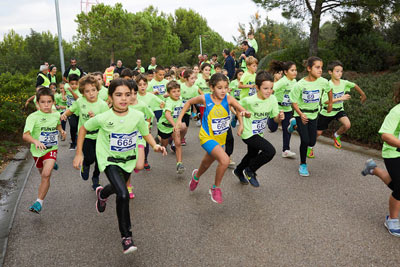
302	9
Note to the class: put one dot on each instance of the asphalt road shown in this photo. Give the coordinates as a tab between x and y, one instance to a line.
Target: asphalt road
332	218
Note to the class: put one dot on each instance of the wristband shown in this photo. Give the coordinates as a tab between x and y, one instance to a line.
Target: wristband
140	146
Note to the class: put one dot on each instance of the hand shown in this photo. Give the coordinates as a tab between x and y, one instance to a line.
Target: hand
281	115
91	114
245	113
63	117
166	95
155	92
240	130
161	149
26	104
178	126
162	105
63	134
39	145
345	97
78	161
363	98
304	118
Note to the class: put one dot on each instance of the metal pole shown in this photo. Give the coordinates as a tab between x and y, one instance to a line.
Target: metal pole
60	38
201	49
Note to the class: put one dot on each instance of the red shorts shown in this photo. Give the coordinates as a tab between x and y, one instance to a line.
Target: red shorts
50	155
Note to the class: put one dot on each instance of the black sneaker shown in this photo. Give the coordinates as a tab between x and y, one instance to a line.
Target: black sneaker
240	175
72	146
127	245
85	172
100	203
251	176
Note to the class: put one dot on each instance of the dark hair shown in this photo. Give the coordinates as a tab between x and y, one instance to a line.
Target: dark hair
286	65
217	65
158	68
133	85
236	73
135	73
205	65
167	75
172	85
187	73
334	64
310	61
72	58
263	76
113	64
245	43
141	77
88	79
275	66
52	66
44	91
126	73
217	77
118	82
97	73
55	84
150	72
396	95
226	51
214	55
73	77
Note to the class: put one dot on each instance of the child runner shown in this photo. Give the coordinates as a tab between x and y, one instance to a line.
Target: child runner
305	97
188	91
261	105
247	82
202	83
103	93
158	87
150	75
234	84
282	88
167	123
276	69
390	132
61	104
116	152
339	89
41	130
72	95
215	124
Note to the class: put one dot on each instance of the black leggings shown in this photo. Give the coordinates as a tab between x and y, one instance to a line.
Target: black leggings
393	168
118	178
73	127
253	159
229	142
89	155
273	126
146	151
308	136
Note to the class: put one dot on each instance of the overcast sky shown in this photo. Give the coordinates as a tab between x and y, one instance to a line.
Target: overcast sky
222	16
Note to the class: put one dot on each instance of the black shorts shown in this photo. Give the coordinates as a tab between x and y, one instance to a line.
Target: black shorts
323	121
186	119
164	135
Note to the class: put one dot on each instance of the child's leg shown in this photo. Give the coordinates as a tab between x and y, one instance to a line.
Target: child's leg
146	152
272	125
229	144
45	174
73	127
223	161
304	139
392	166
345	125
257	142
176	136
285	134
252	152
205	164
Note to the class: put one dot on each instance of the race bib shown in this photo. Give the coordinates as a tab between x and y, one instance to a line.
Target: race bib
338	95
176	113
286	101
159	88
311	96
49	139
252	91
123	142
220	125
258	126
236	94
70	100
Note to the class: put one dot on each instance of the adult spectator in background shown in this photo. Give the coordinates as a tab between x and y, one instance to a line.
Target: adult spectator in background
139	66
52	74
72	69
42	78
119	68
234	58
108	74
153	64
229	64
247	52
205	59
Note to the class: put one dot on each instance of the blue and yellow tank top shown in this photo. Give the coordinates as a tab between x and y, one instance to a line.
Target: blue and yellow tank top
215	122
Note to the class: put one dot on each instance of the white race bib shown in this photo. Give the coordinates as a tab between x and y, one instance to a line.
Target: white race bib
311	96
258	126
70	100
177	111
236	94
49	139
286	101
252	91
220	125
338	95
123	142
159	88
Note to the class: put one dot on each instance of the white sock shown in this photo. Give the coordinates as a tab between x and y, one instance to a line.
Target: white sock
310	147
336	135
40	201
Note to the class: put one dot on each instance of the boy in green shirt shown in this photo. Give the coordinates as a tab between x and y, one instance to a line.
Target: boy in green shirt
247	81
158	86
41	130
61	104
73	94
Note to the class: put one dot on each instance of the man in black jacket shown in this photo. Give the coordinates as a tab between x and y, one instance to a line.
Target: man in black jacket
73	69
119	68
247	51
229	63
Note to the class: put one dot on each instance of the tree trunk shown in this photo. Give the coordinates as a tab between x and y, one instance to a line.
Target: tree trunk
314	29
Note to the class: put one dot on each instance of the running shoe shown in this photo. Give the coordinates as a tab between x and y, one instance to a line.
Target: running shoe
292	125
303	170
193	183
183	142
370	165
198	123
393	226
337	142
288	154
234	123
136	170
130	190
146	166
55	166
85	172
72	146
216	195
232	164
128	246
310	152
36	207
251	177
180	168
241	177
100	203
173	148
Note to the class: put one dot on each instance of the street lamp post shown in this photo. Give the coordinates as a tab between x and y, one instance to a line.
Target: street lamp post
60	37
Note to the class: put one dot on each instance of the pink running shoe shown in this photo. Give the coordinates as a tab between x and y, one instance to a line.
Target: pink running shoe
135	170
130	190
216	195
193	183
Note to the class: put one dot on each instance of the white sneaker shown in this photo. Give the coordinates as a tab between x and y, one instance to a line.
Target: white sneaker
232	164
288	154
198	123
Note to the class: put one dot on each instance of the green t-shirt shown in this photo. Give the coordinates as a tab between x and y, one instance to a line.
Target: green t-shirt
76	71
70	97
144	108
43	127
188	93
260	111
202	84
103	93
391	125
235	91
151	67
248	79
160	87
81	107
253	43
307	95
175	108
60	102
142	70
151	100
337	91
282	89
117	138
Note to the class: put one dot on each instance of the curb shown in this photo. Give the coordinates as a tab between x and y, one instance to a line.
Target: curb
15	175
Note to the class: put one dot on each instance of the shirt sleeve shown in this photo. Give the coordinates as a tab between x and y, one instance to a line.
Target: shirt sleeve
93	123
348	86
390	123
39	80
169	106
29	124
74	108
275	108
295	94
143	127
278	86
